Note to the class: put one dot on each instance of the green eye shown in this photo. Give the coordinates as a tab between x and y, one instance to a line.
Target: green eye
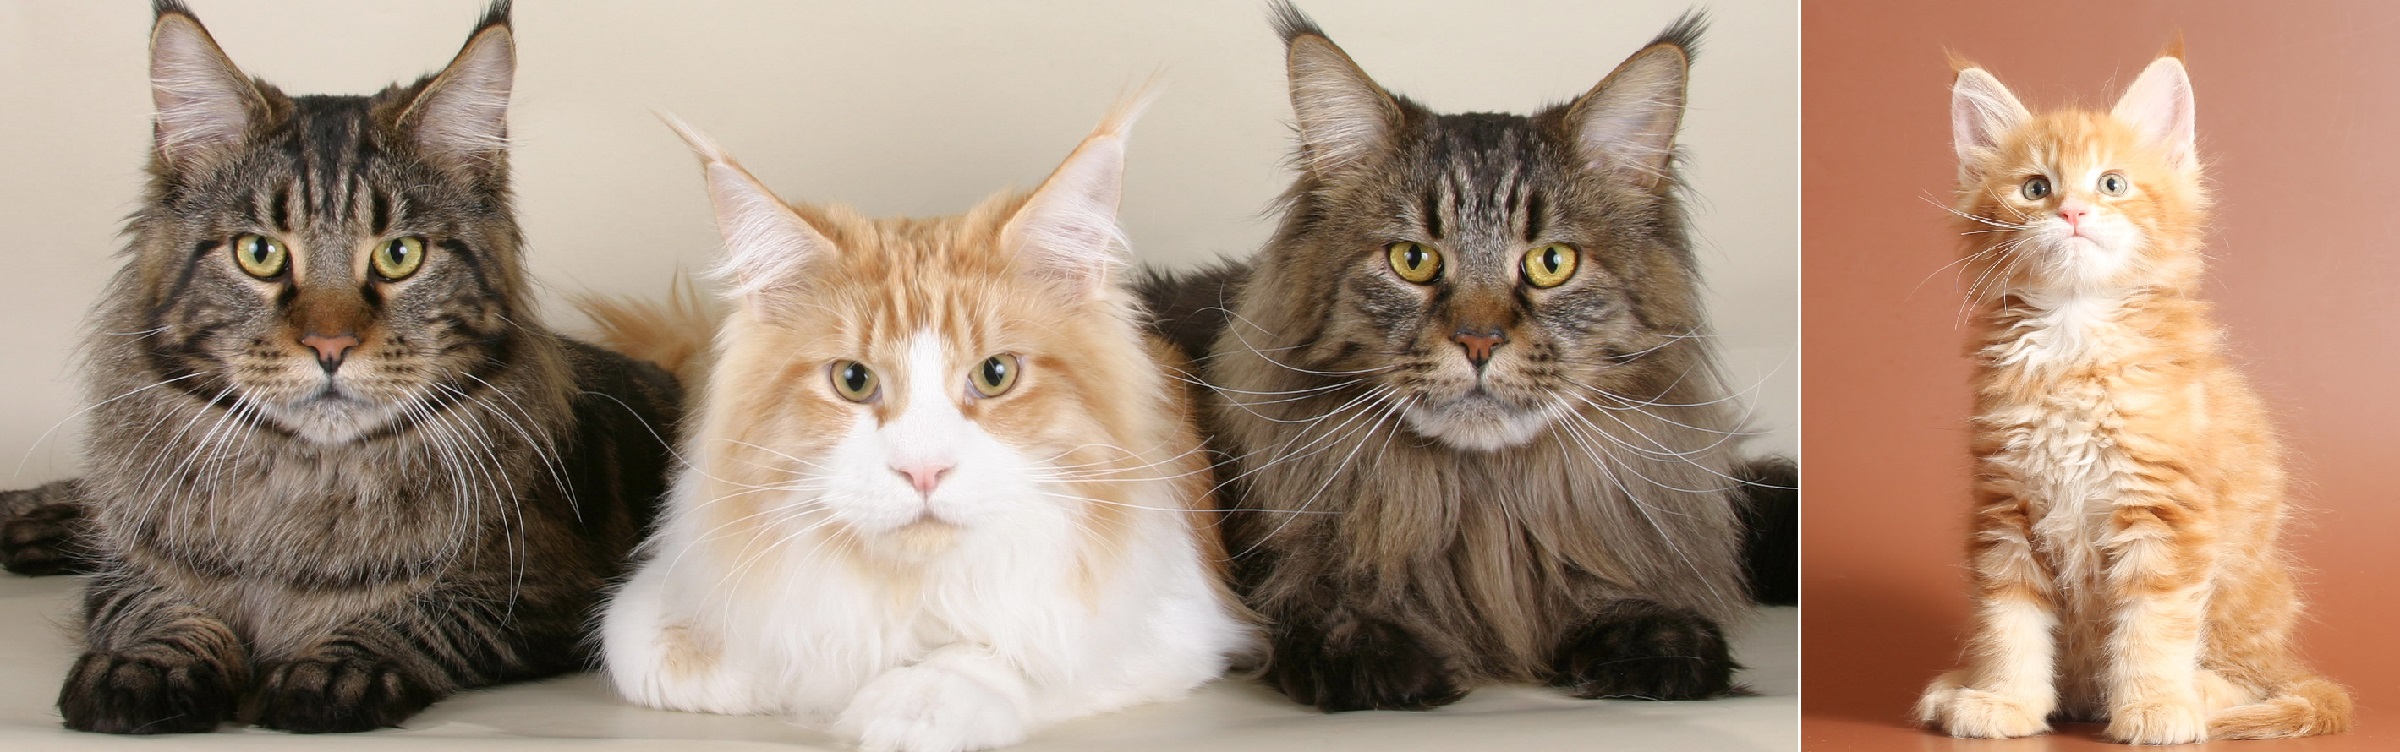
1415	262
2113	184
852	379
995	375
399	258
2036	188
260	256
1550	265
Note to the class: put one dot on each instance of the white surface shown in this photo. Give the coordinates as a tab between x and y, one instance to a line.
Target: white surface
1234	713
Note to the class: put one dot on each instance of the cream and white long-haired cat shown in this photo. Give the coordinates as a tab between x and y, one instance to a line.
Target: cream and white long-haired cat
942	489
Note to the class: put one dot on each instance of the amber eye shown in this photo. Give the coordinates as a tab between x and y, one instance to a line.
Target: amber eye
2113	184
852	379
2036	188
1415	262
260	256
1550	265
995	375
399	258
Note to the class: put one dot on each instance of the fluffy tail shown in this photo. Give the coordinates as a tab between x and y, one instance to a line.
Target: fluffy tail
675	333
2306	707
1770	509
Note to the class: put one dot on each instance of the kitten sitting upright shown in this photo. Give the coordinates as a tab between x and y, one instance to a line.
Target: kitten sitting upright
344	471
943	490
2128	485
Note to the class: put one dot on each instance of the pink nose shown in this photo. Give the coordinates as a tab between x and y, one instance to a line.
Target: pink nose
330	349
2073	215
924	476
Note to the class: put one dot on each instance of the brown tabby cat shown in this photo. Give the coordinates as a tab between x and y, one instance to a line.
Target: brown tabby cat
1474	432
345	471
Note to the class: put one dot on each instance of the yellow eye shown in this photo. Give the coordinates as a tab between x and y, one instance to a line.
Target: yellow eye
995	375
1550	265
1415	262
399	258
260	256
852	379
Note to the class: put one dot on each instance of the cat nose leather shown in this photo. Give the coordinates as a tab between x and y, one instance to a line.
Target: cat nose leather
330	348
924	476
2073	215
1479	343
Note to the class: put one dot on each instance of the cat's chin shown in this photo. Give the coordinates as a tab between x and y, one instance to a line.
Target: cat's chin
1477	424
331	421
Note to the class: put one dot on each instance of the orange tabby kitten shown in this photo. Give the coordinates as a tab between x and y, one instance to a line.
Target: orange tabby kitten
2128	485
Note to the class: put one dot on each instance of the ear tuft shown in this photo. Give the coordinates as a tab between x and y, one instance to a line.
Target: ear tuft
766	243
461	116
1067	230
205	104
1627	123
1344	116
2159	104
1981	112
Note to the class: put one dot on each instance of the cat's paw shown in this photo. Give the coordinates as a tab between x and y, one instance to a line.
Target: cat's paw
1978	714
1361	665
338	695
44	540
120	694
2167	720
926	709
1646	653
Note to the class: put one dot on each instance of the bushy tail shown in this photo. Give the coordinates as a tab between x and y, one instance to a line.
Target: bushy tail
2307	707
674	333
1770	510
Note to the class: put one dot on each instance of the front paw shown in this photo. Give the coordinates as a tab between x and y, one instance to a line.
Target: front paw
2175	720
1979	714
925	709
44	540
1362	665
121	694
1648	652
338	695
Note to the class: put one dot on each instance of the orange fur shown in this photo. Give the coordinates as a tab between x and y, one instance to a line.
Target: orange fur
2129	486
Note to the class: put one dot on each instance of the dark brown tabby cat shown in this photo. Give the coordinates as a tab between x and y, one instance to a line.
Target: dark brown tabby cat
342	471
1471	424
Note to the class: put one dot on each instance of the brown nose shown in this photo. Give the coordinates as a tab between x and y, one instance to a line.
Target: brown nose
1479	343
330	348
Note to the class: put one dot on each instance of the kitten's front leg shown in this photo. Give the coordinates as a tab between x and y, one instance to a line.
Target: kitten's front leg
2160	553
43	530
154	663
382	669
961	697
2008	686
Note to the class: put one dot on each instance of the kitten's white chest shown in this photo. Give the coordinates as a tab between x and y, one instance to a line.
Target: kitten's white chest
2059	440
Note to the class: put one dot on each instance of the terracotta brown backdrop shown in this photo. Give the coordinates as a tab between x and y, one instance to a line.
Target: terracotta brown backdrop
2299	122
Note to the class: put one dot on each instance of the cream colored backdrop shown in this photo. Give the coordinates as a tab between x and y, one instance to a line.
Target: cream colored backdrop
903	107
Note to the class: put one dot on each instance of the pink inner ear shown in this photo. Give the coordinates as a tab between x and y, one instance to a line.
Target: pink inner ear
2161	106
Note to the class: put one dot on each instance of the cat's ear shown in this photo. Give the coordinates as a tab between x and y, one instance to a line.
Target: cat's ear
205	104
1981	111
2159	104
1343	115
766	243
461	116
1626	125
1067	229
